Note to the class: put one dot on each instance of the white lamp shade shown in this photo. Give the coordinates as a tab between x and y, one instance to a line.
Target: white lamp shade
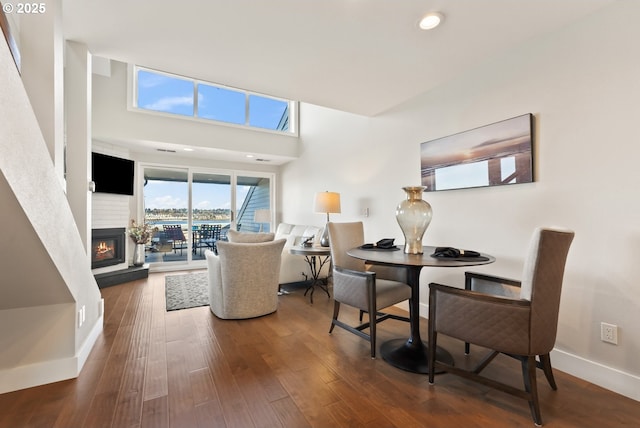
262	216
327	202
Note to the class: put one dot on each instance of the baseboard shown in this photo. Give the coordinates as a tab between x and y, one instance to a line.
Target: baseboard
90	341
28	376
606	377
424	308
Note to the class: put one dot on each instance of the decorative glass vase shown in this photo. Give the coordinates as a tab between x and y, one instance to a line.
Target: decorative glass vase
413	215
138	255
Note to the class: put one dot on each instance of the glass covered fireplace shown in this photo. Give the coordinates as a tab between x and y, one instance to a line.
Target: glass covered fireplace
107	247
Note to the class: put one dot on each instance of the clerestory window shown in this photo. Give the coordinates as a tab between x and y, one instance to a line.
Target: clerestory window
168	93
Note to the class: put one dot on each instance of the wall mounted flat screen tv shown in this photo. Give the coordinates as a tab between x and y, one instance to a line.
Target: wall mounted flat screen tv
111	174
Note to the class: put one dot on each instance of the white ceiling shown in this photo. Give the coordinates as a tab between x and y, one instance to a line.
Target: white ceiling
360	56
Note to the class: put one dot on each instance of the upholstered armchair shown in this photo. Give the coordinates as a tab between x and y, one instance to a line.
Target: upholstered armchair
516	318
243	278
356	286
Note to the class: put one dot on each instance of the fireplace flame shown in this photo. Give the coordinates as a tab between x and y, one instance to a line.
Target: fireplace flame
103	248
103	251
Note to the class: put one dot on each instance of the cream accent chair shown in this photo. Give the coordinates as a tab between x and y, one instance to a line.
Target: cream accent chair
355	285
243	277
516	318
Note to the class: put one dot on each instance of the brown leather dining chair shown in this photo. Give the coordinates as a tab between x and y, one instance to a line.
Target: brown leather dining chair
355	285
516	318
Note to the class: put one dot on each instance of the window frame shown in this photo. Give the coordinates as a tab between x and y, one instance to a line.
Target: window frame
293	106
232	173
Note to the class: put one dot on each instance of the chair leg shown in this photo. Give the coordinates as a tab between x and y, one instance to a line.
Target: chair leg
529	375
431	358
466	348
545	362
433	334
373	316
336	309
361	314
372	332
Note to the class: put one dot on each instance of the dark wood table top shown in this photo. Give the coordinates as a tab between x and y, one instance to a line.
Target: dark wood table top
411	354
399	258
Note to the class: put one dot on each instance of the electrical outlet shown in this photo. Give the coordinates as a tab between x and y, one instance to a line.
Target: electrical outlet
609	333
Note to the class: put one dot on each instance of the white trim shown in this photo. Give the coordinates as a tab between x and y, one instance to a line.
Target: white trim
31	375
607	377
28	376
84	351
423	309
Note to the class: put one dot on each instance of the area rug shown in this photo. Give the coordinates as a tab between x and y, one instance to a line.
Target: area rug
186	291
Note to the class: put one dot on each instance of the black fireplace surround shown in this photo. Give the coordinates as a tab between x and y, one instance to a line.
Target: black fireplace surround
107	247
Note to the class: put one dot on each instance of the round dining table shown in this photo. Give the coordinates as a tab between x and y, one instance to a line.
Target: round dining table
411	354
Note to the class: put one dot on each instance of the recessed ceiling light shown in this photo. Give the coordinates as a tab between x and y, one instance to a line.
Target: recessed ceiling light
431	20
188	149
250	156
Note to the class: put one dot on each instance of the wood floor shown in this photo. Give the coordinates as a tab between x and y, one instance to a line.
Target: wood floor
152	368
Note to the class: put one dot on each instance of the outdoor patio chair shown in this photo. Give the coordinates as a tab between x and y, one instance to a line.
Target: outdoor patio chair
175	235
209	234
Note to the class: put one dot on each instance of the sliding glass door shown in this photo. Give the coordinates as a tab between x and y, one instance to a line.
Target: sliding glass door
190	210
166	209
212	214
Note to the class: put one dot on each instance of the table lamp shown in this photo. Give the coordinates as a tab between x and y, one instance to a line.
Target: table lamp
326	202
262	216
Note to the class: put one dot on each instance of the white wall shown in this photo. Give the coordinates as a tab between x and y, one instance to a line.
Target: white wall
77	78
41	49
38	303
582	85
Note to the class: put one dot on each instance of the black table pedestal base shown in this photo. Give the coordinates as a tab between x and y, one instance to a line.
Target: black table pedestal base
412	357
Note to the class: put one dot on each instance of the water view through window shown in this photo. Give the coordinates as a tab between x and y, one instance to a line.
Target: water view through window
190	214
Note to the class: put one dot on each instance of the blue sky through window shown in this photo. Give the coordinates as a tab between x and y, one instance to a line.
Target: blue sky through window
163	93
169	94
221	104
265	112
